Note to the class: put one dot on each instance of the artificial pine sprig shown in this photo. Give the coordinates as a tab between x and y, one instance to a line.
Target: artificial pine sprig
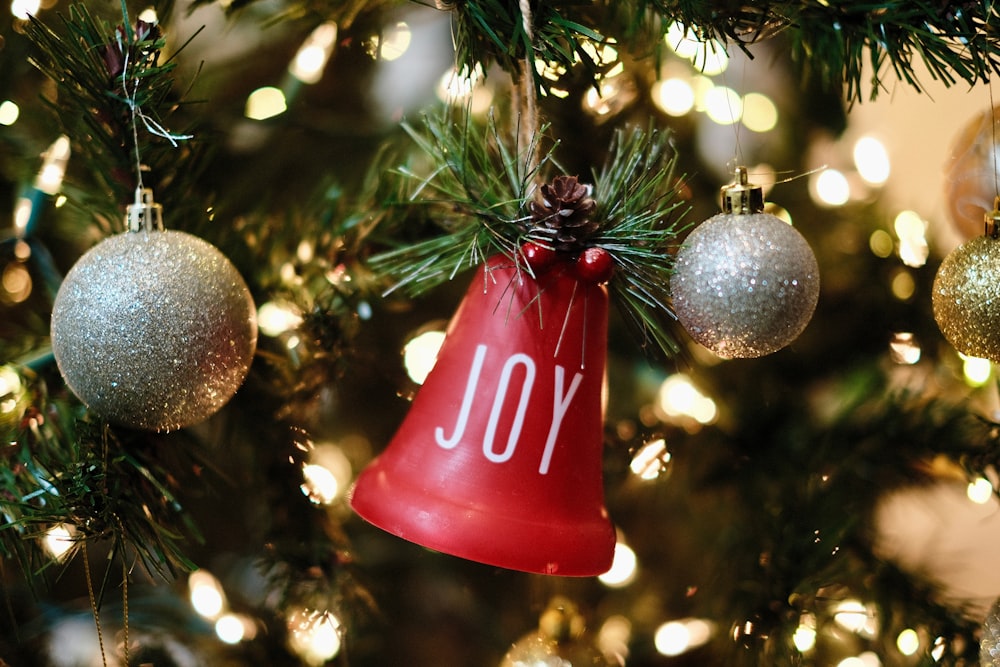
637	198
112	90
478	188
61	470
842	42
475	189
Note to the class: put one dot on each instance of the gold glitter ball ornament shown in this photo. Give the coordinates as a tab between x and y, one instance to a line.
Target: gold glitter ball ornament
154	329
966	298
745	283
989	643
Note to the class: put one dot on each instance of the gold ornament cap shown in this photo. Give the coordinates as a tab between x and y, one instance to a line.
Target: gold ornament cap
992	220
144	215
741	196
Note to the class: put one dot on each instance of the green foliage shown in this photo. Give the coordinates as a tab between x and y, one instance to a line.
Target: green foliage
112	94
107	484
841	42
476	186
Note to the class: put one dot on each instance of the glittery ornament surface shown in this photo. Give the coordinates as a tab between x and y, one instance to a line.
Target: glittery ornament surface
154	330
745	285
966	298
989	643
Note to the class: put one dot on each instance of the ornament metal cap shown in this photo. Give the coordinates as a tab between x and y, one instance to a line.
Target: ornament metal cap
741	196
992	220
145	214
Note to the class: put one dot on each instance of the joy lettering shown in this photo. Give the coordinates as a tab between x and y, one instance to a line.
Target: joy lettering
560	404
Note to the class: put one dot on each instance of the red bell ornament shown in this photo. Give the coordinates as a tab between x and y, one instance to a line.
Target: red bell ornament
499	458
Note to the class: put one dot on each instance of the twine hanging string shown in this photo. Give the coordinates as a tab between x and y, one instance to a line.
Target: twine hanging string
93	604
527	118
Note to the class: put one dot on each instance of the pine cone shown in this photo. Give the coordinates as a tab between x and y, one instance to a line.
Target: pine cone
562	212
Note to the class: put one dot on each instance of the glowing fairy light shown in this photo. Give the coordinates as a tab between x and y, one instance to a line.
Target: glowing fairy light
903	348
50	176
624	567
707	56
857	617
676	97
314	636
466	89
723	105
326	475
911	230
651	461
979	491
420	354
59	539
908	641
265	102
9	112
234	628
275	318
830	188
614	636
677	637
678	397
313	55
759	113
871	160
22	9
976	371
881	243
804	636
206	594
320	486
395	41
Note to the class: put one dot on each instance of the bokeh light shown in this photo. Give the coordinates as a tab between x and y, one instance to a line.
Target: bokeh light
830	188
314	636
420	354
59	540
310	60
206	594
9	112
651	461
624	567
759	113
979	491
911	230
395	41
674	96
677	637
904	349
977	371
871	160
908	641
275	318
804	636
265	102
22	9
723	105
678	397
234	628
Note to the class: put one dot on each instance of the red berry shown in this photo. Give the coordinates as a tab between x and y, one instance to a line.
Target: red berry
595	265
539	257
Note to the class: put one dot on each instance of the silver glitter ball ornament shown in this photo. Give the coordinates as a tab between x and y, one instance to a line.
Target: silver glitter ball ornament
745	284
989	643
154	329
966	298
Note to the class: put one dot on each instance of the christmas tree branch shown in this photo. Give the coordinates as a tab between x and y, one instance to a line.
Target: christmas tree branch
842	43
112	89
